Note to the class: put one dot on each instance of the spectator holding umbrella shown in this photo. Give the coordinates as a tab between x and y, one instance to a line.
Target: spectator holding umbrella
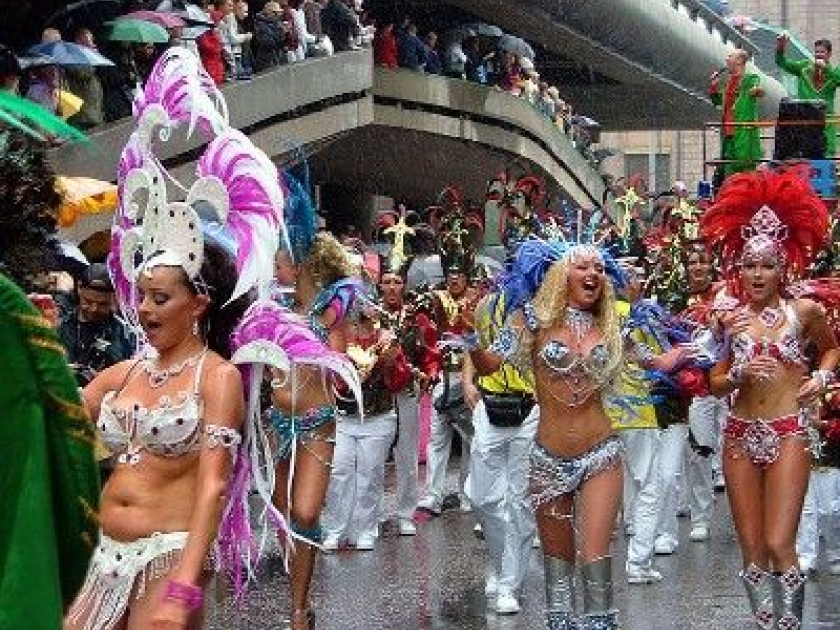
84	83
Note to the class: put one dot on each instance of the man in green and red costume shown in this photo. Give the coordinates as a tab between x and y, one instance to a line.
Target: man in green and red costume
815	80
740	143
49	482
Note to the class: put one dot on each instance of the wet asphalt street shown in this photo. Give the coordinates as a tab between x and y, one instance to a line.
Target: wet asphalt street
435	581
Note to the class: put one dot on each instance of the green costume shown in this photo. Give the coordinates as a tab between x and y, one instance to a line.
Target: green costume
49	483
806	90
739	143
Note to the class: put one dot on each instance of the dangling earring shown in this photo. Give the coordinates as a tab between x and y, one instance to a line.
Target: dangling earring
195	330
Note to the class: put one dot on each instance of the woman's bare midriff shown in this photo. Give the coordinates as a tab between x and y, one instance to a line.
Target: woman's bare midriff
570	431
155	495
772	398
310	392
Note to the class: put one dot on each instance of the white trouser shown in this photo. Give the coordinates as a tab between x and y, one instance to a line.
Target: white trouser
641	492
358	475
440	446
405	454
706	417
820	517
671	458
497	488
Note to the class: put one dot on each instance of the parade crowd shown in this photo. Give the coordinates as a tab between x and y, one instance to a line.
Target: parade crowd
235	374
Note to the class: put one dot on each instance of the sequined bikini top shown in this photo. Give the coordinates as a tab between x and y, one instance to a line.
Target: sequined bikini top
171	429
787	348
561	360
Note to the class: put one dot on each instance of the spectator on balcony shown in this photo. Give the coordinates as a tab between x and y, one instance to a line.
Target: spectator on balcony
385	52
340	24
411	49
84	83
210	50
269	37
508	73
232	39
476	67
292	37
312	12
455	59
44	86
433	64
245	24
545	102
10	71
305	38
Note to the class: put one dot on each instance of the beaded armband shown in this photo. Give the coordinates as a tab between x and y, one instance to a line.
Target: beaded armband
219	436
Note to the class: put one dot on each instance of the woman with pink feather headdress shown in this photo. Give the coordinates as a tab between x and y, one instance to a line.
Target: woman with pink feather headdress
173	417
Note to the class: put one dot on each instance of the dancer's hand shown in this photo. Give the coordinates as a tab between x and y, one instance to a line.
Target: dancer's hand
734	322
811	389
170	616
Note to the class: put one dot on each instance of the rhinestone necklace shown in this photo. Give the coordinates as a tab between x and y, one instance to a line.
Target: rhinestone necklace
158	376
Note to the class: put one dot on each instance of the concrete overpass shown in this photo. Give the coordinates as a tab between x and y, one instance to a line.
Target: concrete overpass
630	64
370	132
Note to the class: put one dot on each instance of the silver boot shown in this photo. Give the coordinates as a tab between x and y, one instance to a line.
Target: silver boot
758	584
598	610
560	594
788	598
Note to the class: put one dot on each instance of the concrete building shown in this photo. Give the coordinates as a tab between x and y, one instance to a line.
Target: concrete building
669	155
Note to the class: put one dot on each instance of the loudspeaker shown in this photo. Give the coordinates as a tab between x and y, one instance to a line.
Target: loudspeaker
800	141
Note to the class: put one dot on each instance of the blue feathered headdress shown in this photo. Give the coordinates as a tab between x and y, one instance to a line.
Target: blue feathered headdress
533	260
301	219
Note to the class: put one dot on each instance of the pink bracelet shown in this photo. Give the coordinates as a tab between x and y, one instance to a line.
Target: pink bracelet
191	596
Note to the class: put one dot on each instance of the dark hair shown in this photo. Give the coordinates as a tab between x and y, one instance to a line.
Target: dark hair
824	43
96	277
218	273
29	205
9	64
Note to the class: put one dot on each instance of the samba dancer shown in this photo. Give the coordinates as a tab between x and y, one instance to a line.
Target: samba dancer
771	226
173	416
564	330
318	270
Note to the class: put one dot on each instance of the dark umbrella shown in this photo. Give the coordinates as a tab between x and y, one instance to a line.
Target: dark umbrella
91	13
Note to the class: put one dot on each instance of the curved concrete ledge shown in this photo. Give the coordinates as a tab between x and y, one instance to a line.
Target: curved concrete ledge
269	100
466	111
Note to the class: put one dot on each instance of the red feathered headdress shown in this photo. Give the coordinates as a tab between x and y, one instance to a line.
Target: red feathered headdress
767	208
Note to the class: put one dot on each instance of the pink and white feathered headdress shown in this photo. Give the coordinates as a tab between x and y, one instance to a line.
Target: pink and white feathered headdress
235	182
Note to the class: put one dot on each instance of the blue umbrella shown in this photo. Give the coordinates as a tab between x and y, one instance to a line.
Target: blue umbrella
70	54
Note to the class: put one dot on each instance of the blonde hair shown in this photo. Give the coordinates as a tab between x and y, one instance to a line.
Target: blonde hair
327	261
551	307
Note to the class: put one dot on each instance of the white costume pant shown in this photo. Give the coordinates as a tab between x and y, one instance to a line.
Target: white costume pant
820	518
706	417
497	488
358	475
440	446
405	454
641	493
672	452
